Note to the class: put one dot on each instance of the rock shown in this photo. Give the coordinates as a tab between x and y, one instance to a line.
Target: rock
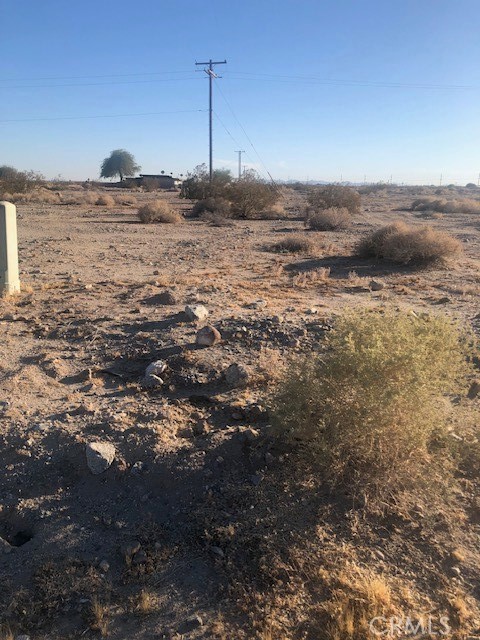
167	298
104	566
192	623
250	435
138	468
152	374
22	637
474	389
201	428
5	547
217	551
457	571
196	313
312	311
258	304
376	285
208	336
236	375
129	550
100	456
140	557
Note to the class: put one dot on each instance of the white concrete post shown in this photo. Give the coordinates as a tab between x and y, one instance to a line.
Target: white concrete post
9	281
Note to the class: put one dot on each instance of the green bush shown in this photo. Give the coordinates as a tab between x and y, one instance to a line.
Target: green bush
370	408
197	185
14	181
251	195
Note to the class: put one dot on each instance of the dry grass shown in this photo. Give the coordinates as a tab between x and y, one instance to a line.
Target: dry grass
329	219
217	206
359	595
99	618
404	244
105	200
127	199
159	211
462	205
145	602
369	409
296	243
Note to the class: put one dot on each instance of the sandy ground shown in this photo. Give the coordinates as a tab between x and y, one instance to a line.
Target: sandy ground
75	344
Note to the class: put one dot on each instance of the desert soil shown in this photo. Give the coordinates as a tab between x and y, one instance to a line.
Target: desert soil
198	499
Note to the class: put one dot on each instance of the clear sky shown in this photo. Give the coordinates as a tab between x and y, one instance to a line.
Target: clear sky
324	89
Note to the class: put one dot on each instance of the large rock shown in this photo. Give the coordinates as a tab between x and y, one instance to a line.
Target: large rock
208	336
196	313
100	456
376	285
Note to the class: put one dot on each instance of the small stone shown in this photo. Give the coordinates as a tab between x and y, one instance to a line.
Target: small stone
201	428
376	285
137	468
192	623
457	571
166	298
278	319
140	557
269	459
104	566
250	435
153	374
100	456
22	637
208	336
312	311
129	550
258	304
474	390
196	313
5	547
217	551
256	479
236	375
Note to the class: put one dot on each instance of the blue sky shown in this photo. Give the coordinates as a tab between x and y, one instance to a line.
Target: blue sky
324	89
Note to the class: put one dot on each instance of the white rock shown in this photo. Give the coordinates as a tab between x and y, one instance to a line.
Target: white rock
100	456
153	374
196	312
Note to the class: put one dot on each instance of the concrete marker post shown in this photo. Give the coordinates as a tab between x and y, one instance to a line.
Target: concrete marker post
9	280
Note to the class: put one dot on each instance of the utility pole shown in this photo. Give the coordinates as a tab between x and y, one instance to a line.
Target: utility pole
240	162
211	75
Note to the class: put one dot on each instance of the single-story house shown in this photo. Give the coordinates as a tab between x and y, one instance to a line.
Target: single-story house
160	181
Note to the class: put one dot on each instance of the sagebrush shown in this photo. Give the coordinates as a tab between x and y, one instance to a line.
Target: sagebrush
405	244
329	219
159	211
333	195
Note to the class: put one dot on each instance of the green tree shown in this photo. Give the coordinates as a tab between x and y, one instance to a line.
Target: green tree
119	163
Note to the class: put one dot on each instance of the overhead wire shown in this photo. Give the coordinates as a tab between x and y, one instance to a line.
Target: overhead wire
116	115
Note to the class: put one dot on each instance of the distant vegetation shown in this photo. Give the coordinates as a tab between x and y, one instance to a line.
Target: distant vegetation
247	198
462	205
119	163
21	182
333	195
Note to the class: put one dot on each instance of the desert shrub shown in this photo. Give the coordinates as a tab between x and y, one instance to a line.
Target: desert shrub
105	200
333	195
369	410
128	200
219	206
251	195
367	189
463	205
275	212
328	219
197	185
471	185
159	211
293	244
18	182
404	244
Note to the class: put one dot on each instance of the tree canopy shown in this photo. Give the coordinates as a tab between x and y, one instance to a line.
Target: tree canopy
119	163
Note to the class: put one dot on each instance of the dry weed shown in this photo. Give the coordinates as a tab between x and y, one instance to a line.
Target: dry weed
159	211
329	219
294	243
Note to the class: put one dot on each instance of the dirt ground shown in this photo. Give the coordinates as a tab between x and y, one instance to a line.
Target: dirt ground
198	515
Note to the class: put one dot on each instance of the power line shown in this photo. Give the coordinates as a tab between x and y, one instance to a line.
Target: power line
95	84
245	75
246	135
117	115
106	75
